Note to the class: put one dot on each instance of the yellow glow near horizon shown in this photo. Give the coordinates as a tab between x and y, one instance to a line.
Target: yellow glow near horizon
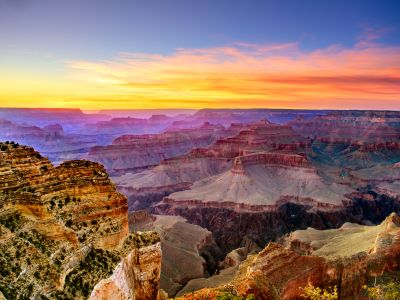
366	76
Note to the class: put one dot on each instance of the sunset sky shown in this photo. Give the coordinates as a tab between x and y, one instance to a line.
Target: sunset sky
96	54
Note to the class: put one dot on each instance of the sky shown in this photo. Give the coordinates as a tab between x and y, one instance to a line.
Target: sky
101	54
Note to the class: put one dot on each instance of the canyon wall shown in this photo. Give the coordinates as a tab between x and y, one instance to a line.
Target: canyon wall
64	229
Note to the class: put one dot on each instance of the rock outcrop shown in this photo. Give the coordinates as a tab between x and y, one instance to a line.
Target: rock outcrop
137	276
189	251
346	258
63	229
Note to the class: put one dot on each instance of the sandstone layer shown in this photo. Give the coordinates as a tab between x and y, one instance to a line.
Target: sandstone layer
63	229
189	251
346	258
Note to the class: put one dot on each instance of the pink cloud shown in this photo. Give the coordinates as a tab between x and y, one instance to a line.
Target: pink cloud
366	75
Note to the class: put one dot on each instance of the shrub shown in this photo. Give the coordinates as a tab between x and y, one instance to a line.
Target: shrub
316	293
387	291
231	296
12	222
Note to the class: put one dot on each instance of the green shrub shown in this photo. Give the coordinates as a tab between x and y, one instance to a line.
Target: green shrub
386	291
316	293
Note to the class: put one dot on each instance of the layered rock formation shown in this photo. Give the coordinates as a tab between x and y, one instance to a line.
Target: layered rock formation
135	152
179	173
137	276
346	258
263	196
280	181
189	251
262	180
64	229
175	174
355	139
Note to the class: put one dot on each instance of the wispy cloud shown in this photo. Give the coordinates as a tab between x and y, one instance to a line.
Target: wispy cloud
366	75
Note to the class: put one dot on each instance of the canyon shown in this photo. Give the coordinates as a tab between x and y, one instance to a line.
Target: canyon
214	202
347	258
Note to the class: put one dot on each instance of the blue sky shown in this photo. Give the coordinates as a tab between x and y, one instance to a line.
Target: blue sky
92	29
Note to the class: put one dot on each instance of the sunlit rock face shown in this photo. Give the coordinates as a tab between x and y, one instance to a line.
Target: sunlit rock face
346	257
189	251
137	276
64	229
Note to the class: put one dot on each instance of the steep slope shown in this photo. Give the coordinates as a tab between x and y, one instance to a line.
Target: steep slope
264	179
63	229
347	257
189	251
171	175
263	196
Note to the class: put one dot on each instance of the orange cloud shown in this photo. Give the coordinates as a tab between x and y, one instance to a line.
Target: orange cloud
365	76
248	75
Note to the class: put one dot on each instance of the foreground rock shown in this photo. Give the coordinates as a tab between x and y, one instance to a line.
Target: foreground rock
64	229
347	258
189	251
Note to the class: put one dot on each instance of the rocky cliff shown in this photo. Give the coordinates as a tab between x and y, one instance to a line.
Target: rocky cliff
189	251
346	258
64	229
